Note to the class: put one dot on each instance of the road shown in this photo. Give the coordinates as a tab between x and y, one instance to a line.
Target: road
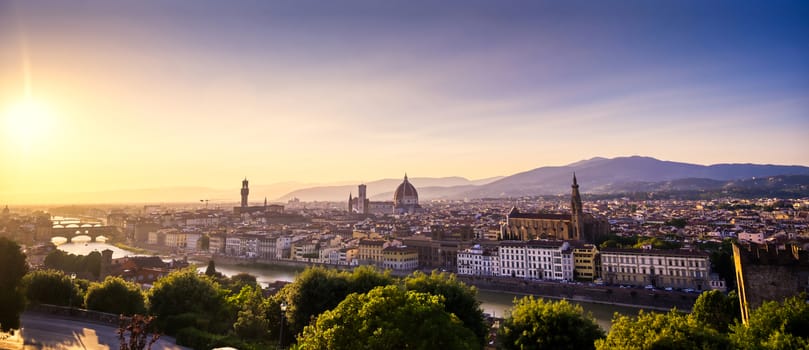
40	331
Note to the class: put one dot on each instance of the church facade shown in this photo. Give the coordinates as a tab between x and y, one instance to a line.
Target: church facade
578	225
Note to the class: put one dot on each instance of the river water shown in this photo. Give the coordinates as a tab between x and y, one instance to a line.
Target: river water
492	302
84	248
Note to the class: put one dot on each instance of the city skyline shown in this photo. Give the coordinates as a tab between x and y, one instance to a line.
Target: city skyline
98	96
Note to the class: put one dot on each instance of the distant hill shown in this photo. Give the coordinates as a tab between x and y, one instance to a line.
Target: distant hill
597	175
383	189
780	186
602	175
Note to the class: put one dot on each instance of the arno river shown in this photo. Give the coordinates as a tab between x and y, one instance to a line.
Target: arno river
495	303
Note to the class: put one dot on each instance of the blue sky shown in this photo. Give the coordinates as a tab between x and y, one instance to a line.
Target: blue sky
208	91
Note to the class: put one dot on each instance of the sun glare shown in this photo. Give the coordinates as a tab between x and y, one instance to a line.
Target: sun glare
28	123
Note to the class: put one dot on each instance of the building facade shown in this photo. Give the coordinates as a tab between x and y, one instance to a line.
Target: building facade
659	268
370	251
478	261
401	258
586	262
537	260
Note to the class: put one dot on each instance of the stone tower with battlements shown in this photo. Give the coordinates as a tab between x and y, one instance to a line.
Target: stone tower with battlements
245	192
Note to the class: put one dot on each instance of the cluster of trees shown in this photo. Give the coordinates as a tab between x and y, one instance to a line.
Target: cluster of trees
540	324
318	290
388	317
421	310
714	324
722	260
12	270
615	241
211	310
676	222
70	263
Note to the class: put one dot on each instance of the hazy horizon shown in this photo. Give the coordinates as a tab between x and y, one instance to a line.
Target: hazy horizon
98	96
260	190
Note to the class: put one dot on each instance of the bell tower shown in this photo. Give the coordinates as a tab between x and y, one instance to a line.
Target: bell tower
245	192
576	211
361	200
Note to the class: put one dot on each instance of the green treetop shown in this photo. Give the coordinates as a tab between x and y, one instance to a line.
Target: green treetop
539	324
12	270
388	318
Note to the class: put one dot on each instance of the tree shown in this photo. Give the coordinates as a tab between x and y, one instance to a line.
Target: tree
314	291
52	287
115	295
671	330
540	324
183	299
459	298
252	322
204	242
12	270
775	325
677	222
365	278
656	243
388	318
716	310
318	289
238	281
71	263
210	271
722	262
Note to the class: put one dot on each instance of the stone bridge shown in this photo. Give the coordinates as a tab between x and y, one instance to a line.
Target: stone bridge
93	230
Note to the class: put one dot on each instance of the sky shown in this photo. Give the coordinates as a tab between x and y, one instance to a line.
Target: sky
99	95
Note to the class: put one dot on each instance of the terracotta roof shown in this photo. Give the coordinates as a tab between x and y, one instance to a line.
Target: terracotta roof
670	252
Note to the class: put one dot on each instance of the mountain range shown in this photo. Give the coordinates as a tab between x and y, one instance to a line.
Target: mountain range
597	175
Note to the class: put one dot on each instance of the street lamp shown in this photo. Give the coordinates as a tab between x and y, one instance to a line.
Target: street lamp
283	316
70	296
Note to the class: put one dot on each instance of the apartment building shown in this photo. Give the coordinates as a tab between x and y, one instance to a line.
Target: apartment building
401	258
370	251
674	268
478	261
536	259
586	262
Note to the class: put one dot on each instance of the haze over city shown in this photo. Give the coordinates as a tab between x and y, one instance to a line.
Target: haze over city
99	96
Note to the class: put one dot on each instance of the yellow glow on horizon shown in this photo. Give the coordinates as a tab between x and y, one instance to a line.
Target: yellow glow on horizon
29	122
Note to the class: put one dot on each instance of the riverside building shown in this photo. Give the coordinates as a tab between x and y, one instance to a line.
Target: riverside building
659	268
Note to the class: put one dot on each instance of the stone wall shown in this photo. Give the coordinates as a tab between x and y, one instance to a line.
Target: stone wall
67	312
636	297
769	272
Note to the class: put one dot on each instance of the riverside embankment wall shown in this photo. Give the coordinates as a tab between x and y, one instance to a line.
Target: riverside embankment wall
613	295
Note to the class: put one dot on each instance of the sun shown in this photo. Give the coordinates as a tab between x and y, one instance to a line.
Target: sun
28	122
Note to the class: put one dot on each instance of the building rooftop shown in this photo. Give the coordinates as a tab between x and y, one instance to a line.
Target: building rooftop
668	252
